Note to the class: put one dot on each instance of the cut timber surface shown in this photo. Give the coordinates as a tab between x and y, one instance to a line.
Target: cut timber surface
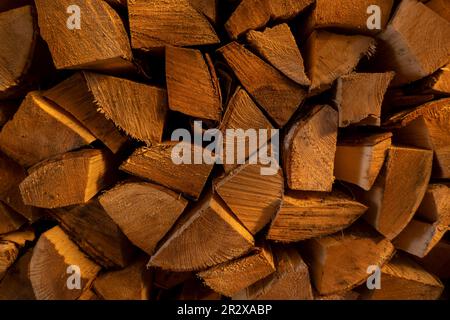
131	283
407	47
90	227
53	254
9	252
254	14
330	56
403	279
253	198
209	235
427	127
359	159
309	150
101	43
16	284
437	261
155	163
277	45
275	93
290	281
208	7
9	219
339	262
441	7
231	277
30	137
155	24
305	215
395	196
359	97
76	97
18	31
437	83
70	179
192	84
144	211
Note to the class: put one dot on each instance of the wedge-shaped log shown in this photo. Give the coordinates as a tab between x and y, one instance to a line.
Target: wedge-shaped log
305	215
208	7
192	83
395	196
156	164
144	211
309	149
290	281
100	42
232	277
402	49
16	284
40	130
207	236
9	252
53	254
277	45
359	159
427	127
330	56
9	219
275	93
70	179
253	198
437	83
155	24
339	262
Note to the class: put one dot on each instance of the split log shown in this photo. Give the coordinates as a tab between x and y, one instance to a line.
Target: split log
359	159
131	283
403	279
167	280
156	164
9	219
253	198
232	277
309	149
255	14
193	289
395	196
427	127
207	236
16	284
440	7
18	31
275	93
9	252
101	42
30	137
144	211
209	8
359	97
91	228
75	96
277	45
21	237
70	179
192	84
155	24
330	56
339	262
49	271
402	47
437	83
305	215
437	261
290	281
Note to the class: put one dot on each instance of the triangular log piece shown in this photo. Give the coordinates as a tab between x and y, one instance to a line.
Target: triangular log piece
144	211
9	219
277	45
156	164
395	196
437	261
9	252
437	83
20	237
16	284
305	215
209	8
209	235
69	179
29	137
339	262
101	42
359	159
309	150
231	277
55	259
330	56
192	84
155	24
279	96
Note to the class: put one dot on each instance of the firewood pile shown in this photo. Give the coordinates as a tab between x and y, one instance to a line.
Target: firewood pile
110	187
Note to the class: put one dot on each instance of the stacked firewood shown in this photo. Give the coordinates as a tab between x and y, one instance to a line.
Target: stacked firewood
93	205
